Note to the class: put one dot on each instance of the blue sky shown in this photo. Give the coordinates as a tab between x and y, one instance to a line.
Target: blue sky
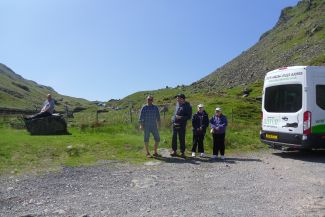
103	49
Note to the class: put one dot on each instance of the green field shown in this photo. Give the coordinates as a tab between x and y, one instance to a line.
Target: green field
114	137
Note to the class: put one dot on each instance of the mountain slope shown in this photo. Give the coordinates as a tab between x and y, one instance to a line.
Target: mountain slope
19	93
297	39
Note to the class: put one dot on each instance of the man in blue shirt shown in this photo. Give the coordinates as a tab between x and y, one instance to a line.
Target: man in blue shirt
149	121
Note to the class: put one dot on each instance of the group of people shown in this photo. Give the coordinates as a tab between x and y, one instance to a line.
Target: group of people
150	121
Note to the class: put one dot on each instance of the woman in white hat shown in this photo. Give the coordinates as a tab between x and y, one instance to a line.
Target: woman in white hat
218	129
200	122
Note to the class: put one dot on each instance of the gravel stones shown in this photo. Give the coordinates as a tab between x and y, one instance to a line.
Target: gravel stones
243	185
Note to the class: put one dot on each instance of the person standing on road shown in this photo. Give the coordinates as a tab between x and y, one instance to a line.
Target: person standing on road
200	122
150	121
218	129
183	112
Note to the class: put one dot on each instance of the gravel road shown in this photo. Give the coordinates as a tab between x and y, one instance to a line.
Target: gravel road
266	183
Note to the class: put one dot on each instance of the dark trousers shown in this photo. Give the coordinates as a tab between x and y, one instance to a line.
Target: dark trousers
40	115
181	135
198	142
218	144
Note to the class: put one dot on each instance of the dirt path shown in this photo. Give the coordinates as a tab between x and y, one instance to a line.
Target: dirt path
259	184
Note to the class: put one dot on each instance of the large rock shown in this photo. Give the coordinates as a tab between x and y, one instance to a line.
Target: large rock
51	125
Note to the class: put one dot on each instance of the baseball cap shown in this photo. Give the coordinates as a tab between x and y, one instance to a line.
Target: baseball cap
218	109
181	96
200	106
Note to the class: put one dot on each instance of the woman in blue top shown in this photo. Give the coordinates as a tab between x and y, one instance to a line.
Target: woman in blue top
218	129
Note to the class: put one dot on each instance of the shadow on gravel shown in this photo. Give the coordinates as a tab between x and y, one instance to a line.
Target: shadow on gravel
197	161
315	156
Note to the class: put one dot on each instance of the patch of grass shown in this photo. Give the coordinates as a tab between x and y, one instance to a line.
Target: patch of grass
20	152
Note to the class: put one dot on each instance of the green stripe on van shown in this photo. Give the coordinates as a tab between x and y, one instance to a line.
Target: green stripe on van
318	129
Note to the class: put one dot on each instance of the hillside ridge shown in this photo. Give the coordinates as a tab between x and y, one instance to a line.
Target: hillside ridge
298	38
17	92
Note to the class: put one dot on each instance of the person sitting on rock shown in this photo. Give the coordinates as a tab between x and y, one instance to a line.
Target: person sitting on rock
47	110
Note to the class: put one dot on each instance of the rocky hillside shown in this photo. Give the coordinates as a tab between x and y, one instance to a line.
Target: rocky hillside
298	38
19	93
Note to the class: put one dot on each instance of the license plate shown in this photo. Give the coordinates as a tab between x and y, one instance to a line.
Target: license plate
271	136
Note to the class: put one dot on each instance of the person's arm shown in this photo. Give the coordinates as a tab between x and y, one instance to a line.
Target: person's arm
224	122
212	123
194	122
175	113
45	106
189	114
158	117
205	122
141	117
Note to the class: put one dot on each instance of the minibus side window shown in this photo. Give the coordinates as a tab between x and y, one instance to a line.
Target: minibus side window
320	96
283	98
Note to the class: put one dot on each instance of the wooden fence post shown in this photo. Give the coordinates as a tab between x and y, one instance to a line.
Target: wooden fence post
232	115
131	108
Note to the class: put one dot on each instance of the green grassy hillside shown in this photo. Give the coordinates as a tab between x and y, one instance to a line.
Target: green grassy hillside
19	93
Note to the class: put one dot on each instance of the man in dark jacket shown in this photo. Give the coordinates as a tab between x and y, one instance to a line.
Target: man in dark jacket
200	122
183	112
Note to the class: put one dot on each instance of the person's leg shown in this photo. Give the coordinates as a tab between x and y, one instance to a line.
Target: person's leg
41	115
146	140
215	150
182	139
222	145
218	143
157	139
200	143
174	141
195	141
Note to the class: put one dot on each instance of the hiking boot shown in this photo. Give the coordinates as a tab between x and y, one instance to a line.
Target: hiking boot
183	155
193	154
222	157
173	154
202	155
